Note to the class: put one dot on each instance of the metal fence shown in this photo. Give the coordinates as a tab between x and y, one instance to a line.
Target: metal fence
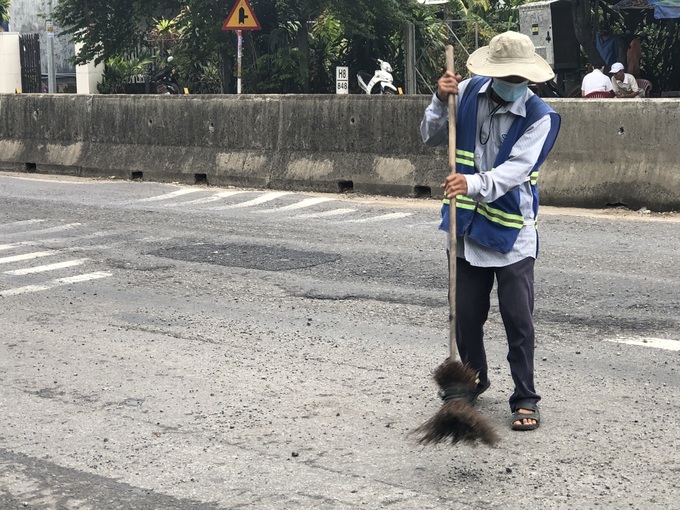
29	55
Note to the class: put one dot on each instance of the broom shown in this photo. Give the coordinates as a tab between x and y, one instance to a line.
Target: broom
457	419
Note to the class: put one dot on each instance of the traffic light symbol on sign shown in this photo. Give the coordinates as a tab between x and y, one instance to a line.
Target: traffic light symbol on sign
241	17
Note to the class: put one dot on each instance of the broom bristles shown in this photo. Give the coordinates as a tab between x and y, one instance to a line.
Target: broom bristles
456	420
452	372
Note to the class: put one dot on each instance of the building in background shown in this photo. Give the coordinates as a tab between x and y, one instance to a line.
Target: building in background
29	17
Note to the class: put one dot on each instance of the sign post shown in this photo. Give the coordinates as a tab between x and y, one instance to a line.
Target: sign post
240	18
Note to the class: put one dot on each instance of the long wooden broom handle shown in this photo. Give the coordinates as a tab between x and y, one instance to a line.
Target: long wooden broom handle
452	213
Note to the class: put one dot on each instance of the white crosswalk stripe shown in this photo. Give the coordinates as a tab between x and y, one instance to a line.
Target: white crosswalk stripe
26	256
54	283
267	197
50	230
20	223
325	214
31	272
307	202
206	200
169	196
382	217
264	197
47	267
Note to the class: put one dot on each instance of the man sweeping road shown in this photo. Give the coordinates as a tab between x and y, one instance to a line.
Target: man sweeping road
504	132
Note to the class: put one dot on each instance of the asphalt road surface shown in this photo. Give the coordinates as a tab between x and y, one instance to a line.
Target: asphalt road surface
187	347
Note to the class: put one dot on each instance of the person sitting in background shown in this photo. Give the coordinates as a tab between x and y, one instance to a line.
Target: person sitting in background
596	81
624	84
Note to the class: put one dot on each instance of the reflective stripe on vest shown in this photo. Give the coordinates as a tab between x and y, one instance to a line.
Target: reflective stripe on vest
491	213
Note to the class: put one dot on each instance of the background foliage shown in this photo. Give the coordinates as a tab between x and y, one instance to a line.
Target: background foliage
4	11
302	41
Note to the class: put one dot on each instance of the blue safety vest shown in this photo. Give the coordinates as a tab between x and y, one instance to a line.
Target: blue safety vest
497	224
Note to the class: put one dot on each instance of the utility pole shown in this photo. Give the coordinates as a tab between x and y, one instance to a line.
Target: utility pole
51	73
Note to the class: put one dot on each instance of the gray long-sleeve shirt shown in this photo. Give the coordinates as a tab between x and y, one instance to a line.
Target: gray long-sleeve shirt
493	123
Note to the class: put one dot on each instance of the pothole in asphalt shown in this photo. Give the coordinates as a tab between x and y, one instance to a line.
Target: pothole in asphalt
247	256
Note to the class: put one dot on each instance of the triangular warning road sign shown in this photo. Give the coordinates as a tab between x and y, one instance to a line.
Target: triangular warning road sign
241	17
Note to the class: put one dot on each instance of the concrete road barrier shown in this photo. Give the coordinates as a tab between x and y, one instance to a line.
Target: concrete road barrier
609	151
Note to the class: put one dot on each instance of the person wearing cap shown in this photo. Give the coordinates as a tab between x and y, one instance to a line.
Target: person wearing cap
624	84
504	132
596	81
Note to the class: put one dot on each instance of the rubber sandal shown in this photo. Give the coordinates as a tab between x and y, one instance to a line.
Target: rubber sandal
517	416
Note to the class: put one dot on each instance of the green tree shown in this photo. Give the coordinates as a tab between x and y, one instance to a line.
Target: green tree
4	11
108	29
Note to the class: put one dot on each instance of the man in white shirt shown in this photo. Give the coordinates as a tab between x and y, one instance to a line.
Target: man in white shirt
503	134
596	81
624	84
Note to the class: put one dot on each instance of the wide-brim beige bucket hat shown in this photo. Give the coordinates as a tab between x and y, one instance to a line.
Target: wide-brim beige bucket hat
510	54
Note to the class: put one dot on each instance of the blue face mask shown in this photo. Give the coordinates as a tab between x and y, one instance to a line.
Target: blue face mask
509	91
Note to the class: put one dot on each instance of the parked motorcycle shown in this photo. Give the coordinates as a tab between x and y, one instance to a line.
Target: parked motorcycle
378	83
164	81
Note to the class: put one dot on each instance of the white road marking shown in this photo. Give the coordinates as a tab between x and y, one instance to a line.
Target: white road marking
47	267
214	198
168	196
50	230
4	247
12	246
325	214
267	197
27	256
657	343
21	223
83	277
383	217
62	180
307	202
54	283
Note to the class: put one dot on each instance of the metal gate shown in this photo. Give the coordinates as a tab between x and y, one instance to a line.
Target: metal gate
29	55
423	69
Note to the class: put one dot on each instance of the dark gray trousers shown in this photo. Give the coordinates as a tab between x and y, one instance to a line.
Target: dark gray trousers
516	303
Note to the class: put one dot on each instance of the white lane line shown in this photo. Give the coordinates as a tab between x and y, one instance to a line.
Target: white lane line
206	200
307	202
4	247
83	277
383	217
325	214
21	223
656	343
50	230
12	246
54	283
47	267
61	181
27	256
168	196
267	197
